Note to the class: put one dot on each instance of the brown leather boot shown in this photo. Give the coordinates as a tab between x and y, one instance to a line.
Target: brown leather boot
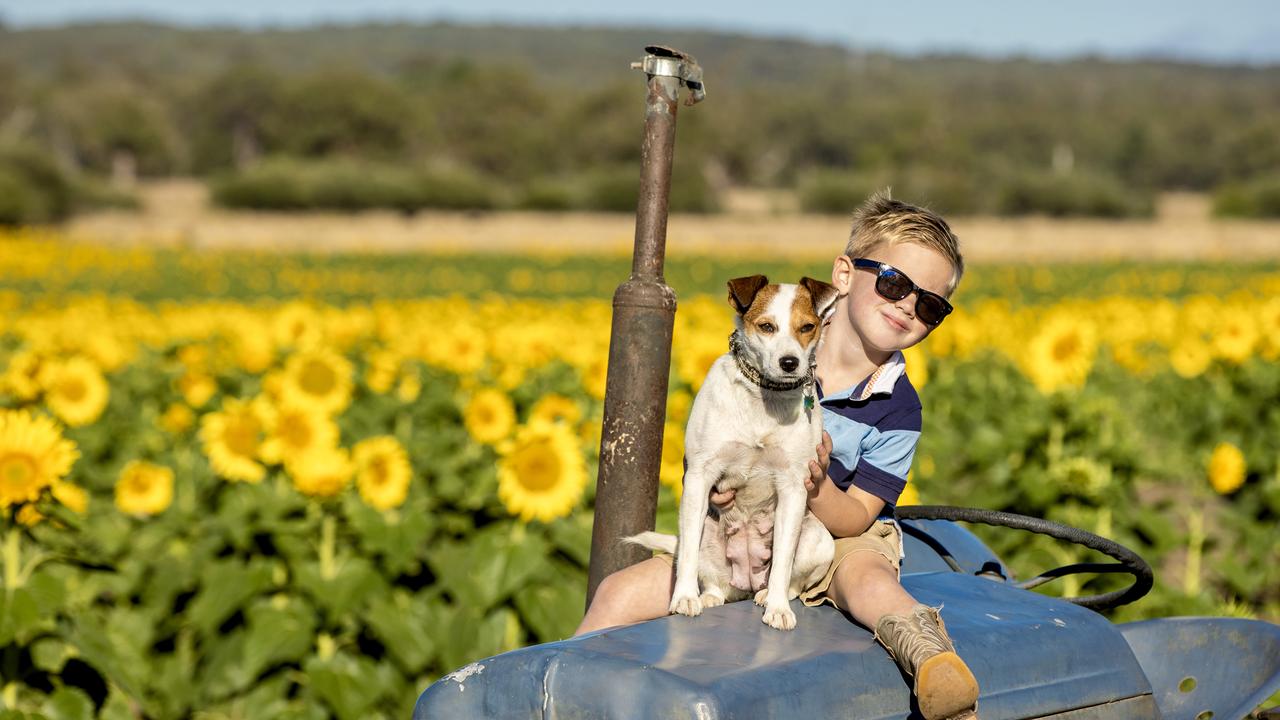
945	689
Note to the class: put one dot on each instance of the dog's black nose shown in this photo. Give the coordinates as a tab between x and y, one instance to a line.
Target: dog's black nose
789	363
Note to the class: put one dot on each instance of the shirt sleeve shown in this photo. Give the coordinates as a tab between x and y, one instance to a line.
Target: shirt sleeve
886	455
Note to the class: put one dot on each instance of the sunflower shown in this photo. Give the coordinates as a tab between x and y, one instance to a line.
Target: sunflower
321	473
382	370
1190	357
541	474
696	355
1226	468
910	495
554	408
671	471
297	325
33	456
22	377
233	439
595	377
74	390
28	516
252	348
678	405
196	387
382	472
917	366
71	496
489	416
1061	354
177	419
460	349
144	488
1235	335
410	386
293	431
319	379
1269	327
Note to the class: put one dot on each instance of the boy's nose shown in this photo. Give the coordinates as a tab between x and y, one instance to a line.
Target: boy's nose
789	363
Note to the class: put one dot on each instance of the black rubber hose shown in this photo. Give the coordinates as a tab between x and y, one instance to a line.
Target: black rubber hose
1130	561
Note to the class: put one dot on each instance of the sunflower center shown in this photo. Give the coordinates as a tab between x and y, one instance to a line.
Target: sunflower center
537	467
378	471
73	389
242	436
1066	347
139	484
17	470
317	378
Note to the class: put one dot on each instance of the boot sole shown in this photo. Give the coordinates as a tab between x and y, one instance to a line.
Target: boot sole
946	689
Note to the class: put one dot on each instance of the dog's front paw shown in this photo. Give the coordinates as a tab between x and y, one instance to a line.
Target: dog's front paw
780	618
761	595
689	605
712	599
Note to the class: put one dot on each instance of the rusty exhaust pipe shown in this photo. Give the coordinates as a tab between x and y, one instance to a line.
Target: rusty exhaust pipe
644	310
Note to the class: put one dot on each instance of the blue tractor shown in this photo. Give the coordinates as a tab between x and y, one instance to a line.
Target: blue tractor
1034	656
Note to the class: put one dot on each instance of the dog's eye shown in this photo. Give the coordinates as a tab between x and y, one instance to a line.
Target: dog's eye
807	328
767	328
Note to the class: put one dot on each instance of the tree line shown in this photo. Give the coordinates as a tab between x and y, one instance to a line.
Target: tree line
550	118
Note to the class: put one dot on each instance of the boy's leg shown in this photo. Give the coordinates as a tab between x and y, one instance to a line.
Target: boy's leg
865	585
632	594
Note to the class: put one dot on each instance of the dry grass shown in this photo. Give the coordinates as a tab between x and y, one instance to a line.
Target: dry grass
177	213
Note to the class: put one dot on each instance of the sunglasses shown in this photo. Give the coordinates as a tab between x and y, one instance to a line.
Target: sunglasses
893	285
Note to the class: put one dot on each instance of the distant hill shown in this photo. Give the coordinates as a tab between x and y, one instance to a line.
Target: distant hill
575	55
572	54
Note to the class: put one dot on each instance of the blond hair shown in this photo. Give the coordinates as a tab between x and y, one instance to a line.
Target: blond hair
884	221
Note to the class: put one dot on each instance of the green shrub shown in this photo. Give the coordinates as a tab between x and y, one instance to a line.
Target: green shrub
1256	198
547	194
349	185
32	187
834	192
1086	194
617	189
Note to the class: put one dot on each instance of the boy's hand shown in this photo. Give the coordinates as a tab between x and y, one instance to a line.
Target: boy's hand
818	467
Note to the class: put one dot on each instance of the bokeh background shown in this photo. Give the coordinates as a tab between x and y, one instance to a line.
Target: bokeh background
305	310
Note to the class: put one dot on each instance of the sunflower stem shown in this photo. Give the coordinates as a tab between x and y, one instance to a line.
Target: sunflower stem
12	561
328	541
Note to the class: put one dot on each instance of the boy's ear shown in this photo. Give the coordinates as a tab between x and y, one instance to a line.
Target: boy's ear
824	296
742	291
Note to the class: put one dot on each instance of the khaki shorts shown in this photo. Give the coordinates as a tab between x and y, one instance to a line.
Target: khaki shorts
882	538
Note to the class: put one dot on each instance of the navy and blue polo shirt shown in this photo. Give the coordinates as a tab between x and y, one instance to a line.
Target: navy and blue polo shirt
874	428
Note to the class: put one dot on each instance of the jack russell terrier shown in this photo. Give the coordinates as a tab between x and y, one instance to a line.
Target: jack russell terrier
753	429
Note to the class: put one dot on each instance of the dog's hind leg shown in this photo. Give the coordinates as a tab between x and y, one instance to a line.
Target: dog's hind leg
813	555
693	513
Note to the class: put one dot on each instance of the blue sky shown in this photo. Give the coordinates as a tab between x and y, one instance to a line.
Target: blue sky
1225	31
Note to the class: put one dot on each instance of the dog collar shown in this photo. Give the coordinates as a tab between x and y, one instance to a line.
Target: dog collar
758	378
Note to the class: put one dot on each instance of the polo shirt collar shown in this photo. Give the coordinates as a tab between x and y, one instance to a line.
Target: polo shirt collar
881	382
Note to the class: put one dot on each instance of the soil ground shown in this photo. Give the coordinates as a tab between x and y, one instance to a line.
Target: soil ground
178	213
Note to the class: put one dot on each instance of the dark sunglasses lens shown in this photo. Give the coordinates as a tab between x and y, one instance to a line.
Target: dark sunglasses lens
893	285
930	308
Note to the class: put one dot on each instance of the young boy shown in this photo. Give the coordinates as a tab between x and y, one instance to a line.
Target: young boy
898	268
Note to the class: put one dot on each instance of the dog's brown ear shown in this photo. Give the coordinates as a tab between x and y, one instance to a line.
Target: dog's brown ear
742	291
823	294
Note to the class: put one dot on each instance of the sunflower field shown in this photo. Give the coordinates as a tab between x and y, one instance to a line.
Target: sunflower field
261	485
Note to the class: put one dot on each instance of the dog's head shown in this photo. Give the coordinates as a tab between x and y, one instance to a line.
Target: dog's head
780	323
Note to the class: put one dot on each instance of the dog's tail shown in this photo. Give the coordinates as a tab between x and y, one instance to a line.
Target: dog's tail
654	541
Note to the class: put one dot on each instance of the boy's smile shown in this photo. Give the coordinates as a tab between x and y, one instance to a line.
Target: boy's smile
877	325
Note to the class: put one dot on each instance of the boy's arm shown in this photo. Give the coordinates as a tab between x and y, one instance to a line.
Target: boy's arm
844	513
